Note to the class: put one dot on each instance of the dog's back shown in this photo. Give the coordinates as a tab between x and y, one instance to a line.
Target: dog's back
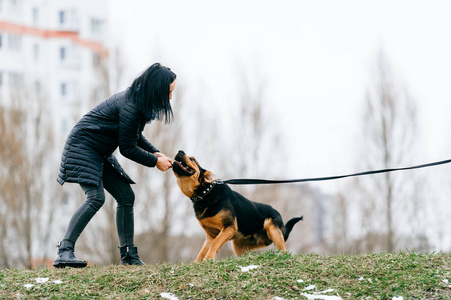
251	215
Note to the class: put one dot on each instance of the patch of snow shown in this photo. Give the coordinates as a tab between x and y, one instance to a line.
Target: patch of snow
397	298
42	280
324	297
248	268
300	280
57	281
169	296
278	298
28	285
361	279
318	295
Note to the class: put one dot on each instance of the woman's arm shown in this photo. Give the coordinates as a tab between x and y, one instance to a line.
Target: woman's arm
129	136
145	144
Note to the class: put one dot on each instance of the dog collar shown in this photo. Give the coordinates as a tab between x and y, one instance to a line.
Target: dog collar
204	193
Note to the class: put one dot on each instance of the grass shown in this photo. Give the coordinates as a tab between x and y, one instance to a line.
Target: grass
369	276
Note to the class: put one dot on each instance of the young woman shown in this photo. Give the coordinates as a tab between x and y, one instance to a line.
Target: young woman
87	158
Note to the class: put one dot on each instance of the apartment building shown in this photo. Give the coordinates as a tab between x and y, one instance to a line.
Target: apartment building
50	49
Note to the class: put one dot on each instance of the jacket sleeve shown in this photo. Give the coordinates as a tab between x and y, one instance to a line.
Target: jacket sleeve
130	135
146	145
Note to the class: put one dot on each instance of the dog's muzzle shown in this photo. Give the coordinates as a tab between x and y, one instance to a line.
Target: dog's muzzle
180	167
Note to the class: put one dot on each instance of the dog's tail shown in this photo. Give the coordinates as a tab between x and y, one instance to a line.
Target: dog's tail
289	226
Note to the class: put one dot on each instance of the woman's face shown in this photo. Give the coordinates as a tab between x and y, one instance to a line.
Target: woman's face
171	89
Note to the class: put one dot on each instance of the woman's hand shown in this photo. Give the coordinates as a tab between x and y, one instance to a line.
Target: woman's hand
164	163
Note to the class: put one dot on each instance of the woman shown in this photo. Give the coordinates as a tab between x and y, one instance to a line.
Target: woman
87	158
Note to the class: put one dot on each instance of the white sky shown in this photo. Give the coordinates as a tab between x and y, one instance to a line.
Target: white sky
316	55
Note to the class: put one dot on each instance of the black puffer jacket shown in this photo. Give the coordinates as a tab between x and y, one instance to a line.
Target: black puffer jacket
116	122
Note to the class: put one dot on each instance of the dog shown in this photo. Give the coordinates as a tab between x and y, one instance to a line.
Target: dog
227	215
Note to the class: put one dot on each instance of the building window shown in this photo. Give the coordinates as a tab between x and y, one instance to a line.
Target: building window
63	53
67	19
69	90
96	26
96	59
15	79
36	52
63	89
14	42
62	17
35	16
11	7
69	54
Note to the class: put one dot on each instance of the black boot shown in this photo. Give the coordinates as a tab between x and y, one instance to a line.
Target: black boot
66	256
129	256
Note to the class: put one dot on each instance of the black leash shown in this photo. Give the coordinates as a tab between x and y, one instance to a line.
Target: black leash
265	181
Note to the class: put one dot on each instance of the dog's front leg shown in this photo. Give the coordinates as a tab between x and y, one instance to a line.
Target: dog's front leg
225	235
205	247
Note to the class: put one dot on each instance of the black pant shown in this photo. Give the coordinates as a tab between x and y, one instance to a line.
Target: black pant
122	192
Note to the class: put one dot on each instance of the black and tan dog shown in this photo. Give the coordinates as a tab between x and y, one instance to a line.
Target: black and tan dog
226	215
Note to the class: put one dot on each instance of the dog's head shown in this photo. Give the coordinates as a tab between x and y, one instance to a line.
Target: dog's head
190	175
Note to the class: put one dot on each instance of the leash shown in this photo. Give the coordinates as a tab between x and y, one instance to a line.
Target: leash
265	181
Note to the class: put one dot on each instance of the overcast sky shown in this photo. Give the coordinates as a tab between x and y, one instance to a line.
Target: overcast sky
317	57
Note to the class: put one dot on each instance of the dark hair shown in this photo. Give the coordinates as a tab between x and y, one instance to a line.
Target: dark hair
150	91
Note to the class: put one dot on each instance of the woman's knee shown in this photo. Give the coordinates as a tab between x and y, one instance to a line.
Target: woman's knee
127	198
95	196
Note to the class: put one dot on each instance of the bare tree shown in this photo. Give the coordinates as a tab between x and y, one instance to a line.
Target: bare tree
256	134
254	141
388	135
27	200
340	221
13	174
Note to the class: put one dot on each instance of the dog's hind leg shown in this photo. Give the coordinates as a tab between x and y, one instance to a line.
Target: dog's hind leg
243	246
205	247
275	234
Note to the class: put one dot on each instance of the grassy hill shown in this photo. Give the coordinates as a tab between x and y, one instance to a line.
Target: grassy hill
261	275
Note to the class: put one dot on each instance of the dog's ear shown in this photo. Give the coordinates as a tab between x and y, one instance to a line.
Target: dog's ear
209	177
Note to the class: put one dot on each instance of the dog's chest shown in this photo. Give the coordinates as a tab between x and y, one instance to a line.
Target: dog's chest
215	224
210	227
207	209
